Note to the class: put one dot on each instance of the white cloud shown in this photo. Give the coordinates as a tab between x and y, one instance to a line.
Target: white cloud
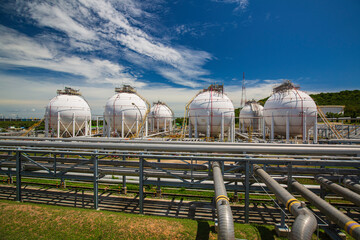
117	27
18	50
14	45
259	91
17	99
241	4
55	17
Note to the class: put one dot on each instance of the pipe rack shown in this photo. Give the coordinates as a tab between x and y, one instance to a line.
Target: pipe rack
305	222
339	190
350	226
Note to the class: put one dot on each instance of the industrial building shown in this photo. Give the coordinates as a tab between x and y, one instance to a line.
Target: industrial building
256	171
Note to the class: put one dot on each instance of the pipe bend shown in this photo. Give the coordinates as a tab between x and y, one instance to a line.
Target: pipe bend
226	221
304	225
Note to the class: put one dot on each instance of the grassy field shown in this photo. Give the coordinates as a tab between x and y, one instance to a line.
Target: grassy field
32	221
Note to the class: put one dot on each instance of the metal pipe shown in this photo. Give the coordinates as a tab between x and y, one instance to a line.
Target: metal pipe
351	184
305	222
339	190
119	163
157	141
316	171
226	222
350	226
190	147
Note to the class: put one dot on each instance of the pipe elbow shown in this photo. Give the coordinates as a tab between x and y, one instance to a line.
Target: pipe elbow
304	225
226	222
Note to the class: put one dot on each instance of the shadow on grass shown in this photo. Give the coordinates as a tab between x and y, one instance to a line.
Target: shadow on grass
203	230
265	233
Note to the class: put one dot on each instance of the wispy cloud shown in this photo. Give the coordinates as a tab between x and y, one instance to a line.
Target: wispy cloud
94	28
18	50
241	4
260	90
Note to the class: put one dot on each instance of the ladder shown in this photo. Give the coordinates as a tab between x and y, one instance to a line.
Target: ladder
331	126
144	119
184	124
32	127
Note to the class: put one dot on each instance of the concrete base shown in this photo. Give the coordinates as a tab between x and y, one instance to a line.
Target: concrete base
282	231
342	235
124	190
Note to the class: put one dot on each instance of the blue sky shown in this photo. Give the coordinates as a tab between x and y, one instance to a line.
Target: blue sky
169	50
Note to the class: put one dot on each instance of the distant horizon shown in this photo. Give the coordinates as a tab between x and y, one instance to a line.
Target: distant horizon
169	50
179	114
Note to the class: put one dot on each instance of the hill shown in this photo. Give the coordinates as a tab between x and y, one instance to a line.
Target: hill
351	100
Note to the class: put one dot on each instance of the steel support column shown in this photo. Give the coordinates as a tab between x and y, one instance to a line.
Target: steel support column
141	185
289	180
96	182
247	191
124	188
18	175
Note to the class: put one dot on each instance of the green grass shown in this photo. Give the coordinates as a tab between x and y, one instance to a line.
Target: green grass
34	221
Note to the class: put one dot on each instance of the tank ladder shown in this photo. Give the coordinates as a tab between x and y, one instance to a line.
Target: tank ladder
327	123
184	124
144	118
32	127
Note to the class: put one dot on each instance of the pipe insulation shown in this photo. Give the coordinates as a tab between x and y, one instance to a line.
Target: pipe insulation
305	222
350	226
188	147
156	141
225	217
355	186
339	190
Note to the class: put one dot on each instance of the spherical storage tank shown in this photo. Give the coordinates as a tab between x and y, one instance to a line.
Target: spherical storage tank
159	115
208	108
126	108
287	102
251	115
72	109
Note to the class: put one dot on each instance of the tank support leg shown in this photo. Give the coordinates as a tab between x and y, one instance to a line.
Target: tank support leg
287	128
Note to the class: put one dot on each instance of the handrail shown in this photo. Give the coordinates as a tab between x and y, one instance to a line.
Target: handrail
326	121
183	133
145	117
32	127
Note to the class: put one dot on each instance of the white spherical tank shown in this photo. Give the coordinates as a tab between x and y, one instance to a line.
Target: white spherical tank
73	110
291	103
160	115
208	108
251	115
125	109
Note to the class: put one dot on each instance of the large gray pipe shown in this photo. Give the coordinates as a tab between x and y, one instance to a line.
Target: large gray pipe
188	147
305	222
155	141
225	217
350	226
355	186
339	190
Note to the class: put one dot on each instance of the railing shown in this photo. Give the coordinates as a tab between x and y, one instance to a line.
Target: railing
326	121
